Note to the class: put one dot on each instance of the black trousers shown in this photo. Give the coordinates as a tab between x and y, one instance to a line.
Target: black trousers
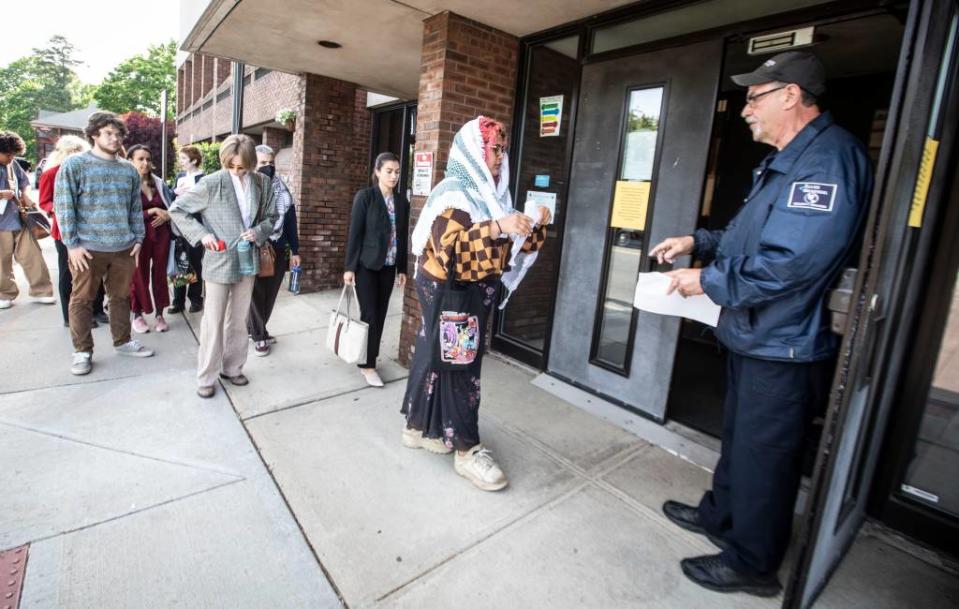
265	291
769	408
65	283
195	289
374	288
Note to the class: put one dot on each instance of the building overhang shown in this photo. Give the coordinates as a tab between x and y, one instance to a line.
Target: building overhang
381	39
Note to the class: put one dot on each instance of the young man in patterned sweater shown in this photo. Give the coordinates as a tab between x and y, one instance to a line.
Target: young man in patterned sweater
97	202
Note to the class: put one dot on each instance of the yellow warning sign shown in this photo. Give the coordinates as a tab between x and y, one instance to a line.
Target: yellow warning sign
630	202
922	182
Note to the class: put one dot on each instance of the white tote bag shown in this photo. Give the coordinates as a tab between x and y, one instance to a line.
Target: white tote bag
346	336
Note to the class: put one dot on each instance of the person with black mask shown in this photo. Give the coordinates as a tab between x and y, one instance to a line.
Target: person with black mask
286	246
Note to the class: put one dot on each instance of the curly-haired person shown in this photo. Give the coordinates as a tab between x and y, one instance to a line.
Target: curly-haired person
17	244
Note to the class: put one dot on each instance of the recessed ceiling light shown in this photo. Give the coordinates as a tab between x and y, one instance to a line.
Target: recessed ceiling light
329	44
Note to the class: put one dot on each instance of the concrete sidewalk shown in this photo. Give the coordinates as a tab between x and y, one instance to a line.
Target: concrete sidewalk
133	492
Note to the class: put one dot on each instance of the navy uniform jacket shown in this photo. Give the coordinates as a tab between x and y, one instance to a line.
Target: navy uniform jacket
773	265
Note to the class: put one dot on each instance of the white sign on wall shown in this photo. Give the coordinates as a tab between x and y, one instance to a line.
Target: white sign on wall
422	173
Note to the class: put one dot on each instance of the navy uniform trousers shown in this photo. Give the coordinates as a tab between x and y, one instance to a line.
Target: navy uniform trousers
768	411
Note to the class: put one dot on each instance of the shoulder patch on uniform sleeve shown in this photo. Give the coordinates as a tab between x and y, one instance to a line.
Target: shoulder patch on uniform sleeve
812	195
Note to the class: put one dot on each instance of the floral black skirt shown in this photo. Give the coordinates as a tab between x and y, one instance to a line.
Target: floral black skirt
441	403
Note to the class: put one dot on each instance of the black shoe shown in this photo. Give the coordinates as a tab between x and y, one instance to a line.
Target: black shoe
174	309
196	308
93	323
712	572
684	516
687	517
102	318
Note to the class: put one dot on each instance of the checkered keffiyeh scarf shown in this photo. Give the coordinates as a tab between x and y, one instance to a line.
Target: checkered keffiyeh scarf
469	186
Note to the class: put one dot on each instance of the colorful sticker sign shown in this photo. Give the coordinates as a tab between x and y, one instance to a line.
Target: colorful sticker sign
550	115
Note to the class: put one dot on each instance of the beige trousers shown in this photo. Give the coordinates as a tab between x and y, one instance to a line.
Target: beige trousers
23	247
223	334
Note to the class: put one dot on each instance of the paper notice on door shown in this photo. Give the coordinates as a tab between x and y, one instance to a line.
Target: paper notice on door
651	296
630	201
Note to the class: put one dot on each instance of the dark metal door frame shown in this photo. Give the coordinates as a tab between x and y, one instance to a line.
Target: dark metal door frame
872	354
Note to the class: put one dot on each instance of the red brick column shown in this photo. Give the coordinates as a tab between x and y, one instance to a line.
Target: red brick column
207	67
330	160
467	69
274	138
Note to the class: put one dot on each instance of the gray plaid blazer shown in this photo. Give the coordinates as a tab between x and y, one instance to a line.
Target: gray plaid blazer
214	200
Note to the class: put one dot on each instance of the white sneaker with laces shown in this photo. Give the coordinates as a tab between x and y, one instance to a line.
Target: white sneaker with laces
45	300
133	349
5	304
82	363
413	438
478	466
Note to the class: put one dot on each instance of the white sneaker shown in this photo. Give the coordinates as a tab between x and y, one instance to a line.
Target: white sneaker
133	349
45	300
82	363
372	377
5	304
478	467
413	438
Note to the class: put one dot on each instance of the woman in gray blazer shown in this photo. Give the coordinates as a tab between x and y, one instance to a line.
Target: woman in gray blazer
234	204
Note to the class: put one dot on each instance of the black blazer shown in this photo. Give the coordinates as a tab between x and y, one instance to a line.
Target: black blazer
369	236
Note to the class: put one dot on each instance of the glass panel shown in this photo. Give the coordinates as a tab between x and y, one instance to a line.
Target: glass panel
702	16
627	227
543	171
931	475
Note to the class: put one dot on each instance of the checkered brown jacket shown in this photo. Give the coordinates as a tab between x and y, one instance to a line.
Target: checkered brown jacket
478	256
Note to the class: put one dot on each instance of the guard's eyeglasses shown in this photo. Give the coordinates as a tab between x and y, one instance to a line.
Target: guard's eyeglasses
753	99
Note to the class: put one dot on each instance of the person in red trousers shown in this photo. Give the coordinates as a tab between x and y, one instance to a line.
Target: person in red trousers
152	261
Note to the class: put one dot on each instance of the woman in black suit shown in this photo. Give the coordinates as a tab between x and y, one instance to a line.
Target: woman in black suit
376	252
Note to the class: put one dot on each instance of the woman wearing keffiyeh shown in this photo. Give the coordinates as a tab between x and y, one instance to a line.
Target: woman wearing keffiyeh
468	218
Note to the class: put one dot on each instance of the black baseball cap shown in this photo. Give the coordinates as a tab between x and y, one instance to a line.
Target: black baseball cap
793	67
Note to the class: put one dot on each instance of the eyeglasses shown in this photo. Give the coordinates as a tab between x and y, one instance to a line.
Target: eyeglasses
498	149
752	100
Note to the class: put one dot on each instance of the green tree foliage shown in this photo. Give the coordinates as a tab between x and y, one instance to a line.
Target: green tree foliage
638	121
135	84
43	81
211	156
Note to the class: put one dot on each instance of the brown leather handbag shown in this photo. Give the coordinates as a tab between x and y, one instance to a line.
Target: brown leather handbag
34	221
267	254
267	260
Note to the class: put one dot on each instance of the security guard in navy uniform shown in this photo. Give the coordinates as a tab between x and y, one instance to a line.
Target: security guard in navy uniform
770	270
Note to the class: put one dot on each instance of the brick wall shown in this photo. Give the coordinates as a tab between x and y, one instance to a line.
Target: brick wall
551	73
330	150
467	69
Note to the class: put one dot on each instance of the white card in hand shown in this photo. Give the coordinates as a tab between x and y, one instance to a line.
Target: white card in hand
651	296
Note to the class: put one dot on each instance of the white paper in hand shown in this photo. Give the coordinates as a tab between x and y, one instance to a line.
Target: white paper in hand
651	296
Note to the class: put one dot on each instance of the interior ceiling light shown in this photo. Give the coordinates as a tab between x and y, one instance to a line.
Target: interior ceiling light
329	44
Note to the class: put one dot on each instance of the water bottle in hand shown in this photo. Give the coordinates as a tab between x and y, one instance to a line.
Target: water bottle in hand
295	279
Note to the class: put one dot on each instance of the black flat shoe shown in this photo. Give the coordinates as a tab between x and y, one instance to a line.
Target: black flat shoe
102	318
712	572
684	516
238	380
174	309
196	308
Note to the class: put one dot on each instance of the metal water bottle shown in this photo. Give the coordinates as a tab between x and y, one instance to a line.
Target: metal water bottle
245	251
295	279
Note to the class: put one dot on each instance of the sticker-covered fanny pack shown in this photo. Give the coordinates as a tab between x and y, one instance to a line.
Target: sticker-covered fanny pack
459	338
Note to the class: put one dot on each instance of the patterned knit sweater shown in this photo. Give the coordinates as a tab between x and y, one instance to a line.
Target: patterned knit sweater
97	204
